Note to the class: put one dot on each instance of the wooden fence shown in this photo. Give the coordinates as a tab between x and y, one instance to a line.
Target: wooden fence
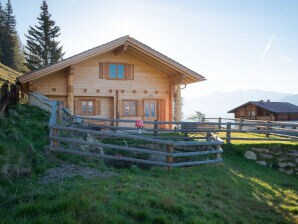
272	130
228	130
67	135
180	144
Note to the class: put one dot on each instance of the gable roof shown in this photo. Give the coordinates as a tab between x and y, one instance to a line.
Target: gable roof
131	42
275	107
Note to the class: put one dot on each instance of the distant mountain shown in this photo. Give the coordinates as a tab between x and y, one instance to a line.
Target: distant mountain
217	104
291	99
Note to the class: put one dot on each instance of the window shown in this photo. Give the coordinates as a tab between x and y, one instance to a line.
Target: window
150	109
129	108
116	71
87	107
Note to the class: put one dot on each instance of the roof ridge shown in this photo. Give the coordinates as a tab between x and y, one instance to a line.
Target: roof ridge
75	55
157	52
107	47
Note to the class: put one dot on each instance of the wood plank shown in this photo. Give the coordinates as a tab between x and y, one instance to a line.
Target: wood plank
189	154
110	146
53	118
210	161
169	158
103	156
136	137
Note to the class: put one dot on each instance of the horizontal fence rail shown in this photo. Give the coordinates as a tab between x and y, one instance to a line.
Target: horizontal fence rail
272	130
172	148
161	143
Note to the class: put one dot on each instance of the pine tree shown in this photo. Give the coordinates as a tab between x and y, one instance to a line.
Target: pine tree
11	52
2	25
10	19
42	47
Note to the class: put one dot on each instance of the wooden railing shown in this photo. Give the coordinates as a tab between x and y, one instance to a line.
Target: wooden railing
272	131
167	151
180	144
286	130
80	138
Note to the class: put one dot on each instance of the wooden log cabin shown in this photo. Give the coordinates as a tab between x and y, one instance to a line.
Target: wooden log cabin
266	110
122	79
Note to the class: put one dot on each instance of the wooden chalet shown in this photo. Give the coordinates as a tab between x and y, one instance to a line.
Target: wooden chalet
123	79
266	110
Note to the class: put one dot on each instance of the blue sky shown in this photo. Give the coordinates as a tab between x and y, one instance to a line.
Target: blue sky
240	44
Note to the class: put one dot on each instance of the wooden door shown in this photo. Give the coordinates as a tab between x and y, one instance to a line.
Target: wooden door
150	110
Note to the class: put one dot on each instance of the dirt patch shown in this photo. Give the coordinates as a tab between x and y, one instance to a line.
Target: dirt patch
58	174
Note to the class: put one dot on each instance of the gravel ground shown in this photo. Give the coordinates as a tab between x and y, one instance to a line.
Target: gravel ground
58	174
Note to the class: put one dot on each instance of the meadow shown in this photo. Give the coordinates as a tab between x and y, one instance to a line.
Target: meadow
237	191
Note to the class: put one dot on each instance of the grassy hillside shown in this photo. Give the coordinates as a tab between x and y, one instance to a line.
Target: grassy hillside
239	191
23	136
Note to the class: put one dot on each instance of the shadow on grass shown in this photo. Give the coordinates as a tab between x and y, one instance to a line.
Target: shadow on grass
268	187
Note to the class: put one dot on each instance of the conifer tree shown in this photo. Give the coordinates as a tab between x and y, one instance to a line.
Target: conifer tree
11	53
42	47
10	20
2	25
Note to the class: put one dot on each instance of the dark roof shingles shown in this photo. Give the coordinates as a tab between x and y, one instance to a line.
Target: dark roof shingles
275	107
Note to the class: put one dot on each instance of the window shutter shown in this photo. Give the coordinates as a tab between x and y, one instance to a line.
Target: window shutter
76	107
162	111
129	71
103	70
140	108
97	107
106	74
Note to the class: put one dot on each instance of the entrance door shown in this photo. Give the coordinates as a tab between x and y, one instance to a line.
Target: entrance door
150	110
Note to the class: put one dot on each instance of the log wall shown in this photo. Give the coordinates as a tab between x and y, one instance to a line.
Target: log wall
148	83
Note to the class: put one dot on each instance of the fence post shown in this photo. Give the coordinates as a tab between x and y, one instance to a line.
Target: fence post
169	158
186	132
208	137
241	123
218	155
267	129
228	136
59	111
219	123
156	126
55	134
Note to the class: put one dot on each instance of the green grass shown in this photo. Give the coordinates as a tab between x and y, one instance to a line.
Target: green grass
23	136
239	191
255	135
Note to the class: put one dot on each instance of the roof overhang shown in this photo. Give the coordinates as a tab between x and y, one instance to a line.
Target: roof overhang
134	47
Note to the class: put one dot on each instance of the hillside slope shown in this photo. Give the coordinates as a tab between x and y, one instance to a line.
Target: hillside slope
291	99
238	191
23	136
